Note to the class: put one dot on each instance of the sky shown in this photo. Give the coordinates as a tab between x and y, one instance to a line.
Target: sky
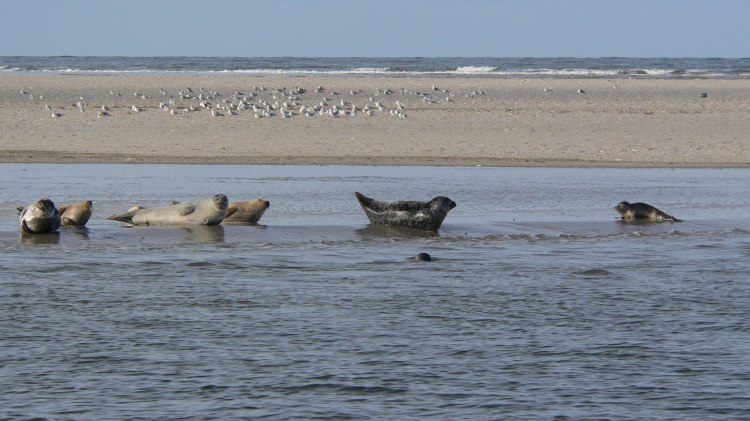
377	28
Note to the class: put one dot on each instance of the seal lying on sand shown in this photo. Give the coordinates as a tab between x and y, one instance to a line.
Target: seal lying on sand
39	217
76	214
201	212
642	211
246	212
427	216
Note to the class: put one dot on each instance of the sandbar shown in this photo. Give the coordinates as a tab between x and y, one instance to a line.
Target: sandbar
440	121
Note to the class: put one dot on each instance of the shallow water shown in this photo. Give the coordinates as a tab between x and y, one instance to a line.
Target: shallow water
538	304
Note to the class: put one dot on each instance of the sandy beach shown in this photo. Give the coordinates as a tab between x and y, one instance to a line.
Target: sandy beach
443	121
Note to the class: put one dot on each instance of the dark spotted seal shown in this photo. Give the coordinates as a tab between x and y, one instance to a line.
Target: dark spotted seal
426	216
201	212
39	217
642	211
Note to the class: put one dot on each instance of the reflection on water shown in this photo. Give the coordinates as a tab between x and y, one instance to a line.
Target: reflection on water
538	303
384	231
46	238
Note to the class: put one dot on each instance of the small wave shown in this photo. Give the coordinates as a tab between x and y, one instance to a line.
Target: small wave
475	69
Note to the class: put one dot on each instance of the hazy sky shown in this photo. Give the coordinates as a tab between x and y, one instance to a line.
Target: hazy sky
390	28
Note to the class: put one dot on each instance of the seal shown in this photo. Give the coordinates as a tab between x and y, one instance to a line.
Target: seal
642	211
76	214
423	257
426	216
246	212
201	212
39	217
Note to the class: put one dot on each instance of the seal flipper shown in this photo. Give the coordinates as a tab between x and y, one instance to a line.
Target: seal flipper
20	209
186	209
68	221
367	202
231	210
126	217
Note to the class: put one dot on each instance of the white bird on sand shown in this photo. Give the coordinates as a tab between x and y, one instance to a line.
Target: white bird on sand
135	109
581	91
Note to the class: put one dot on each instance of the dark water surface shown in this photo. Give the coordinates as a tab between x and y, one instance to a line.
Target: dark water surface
538	304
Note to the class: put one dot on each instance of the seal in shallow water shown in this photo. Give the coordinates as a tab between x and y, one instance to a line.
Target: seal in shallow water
201	212
426	216
246	212
39	217
642	211
76	214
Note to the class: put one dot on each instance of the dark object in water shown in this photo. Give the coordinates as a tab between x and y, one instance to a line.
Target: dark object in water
642	211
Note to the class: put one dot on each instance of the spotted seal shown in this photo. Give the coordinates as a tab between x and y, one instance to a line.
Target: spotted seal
39	217
246	212
76	214
201	212
426	216
642	211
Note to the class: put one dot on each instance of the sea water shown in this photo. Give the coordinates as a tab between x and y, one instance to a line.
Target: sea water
513	67
538	304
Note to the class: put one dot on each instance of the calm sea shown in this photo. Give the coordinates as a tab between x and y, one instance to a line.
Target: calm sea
538	305
611	67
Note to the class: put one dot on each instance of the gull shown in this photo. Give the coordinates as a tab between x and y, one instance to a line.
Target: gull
105	108
101	114
547	90
215	113
319	89
47	107
24	92
581	91
135	109
55	115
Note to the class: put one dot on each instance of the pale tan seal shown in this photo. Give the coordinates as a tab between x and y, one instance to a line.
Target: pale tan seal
201	212
246	212
76	214
643	212
39	217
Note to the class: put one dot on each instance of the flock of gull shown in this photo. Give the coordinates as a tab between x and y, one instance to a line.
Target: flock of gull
261	102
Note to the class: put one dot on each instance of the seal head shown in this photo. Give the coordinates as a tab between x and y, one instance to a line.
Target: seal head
39	217
246	212
76	214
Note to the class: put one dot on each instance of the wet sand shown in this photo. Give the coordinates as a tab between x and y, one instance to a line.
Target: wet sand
490	122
